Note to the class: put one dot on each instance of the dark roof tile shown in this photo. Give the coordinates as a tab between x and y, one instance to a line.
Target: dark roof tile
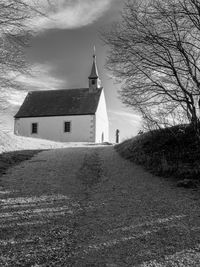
59	103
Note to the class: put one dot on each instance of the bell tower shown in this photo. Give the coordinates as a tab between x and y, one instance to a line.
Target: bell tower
94	81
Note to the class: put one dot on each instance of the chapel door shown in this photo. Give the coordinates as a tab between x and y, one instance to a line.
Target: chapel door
102	137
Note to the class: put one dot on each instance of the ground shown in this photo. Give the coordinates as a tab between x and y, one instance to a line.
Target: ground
87	206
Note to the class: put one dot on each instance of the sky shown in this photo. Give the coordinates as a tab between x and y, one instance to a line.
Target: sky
61	57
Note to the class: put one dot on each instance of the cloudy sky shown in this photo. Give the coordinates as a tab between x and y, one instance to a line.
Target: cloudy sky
61	55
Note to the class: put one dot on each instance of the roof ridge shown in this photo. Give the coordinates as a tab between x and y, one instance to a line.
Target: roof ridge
54	90
63	89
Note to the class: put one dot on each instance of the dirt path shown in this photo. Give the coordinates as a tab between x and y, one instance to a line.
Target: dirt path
89	207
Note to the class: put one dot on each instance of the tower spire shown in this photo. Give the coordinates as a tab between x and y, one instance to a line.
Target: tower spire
94	71
94	81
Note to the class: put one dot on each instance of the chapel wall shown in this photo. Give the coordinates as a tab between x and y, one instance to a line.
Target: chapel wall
52	128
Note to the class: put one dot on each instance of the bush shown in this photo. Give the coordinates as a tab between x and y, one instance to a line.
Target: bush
171	151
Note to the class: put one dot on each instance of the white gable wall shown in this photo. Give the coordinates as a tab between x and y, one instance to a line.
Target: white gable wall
101	118
52	128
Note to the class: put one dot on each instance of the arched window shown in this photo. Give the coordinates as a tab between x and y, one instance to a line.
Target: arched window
102	137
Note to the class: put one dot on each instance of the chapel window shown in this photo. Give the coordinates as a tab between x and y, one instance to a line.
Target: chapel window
67	126
34	128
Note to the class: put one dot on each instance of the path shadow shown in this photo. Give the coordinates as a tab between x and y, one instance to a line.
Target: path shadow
9	159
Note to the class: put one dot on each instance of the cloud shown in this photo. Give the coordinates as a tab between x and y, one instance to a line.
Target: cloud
132	119
10	98
15	98
40	78
126	115
68	14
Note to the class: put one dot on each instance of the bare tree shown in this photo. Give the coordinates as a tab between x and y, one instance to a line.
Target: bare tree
155	53
14	37
16	31
157	117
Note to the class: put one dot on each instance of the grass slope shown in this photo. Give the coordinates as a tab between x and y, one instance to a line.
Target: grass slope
9	159
172	151
11	142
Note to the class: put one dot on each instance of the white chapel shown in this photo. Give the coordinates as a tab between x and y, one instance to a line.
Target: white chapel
67	115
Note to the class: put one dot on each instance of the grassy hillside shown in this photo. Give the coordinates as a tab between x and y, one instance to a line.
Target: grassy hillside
11	142
172	151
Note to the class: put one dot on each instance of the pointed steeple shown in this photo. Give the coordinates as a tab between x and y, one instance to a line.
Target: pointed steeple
94	81
94	71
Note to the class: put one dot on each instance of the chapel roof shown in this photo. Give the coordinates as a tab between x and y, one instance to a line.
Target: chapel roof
63	102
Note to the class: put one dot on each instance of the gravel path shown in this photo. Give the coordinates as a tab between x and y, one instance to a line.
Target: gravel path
86	206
